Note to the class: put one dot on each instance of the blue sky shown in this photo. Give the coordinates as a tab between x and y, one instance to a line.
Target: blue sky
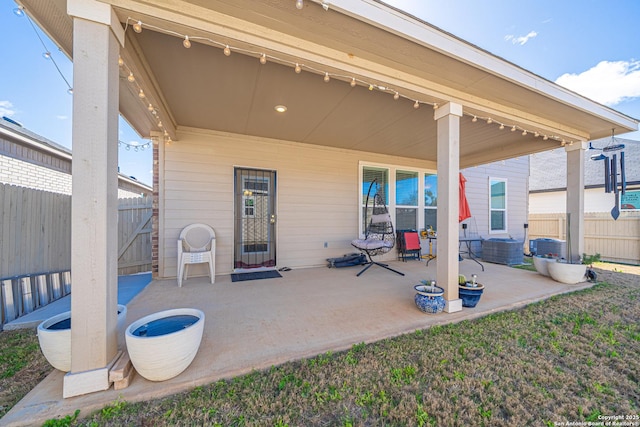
589	46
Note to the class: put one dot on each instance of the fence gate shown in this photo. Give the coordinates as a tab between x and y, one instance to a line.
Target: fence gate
134	235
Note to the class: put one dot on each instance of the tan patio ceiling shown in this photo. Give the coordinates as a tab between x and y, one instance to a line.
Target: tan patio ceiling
202	88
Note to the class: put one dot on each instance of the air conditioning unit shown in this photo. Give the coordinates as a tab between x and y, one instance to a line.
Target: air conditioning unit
502	251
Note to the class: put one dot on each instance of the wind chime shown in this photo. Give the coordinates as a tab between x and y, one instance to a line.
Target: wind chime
611	182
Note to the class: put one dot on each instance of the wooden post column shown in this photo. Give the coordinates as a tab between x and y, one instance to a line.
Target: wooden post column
448	128
97	36
575	198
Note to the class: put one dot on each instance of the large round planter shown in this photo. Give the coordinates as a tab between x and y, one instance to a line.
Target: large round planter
162	345
541	264
429	299
567	273
470	295
54	336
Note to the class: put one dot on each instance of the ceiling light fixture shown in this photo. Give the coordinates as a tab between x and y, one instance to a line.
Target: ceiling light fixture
280	108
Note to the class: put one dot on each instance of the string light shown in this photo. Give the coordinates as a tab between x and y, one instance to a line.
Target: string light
299	4
263	57
20	12
137	27
135	145
141	93
131	77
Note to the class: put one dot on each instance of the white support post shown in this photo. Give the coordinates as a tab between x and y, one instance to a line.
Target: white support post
94	273
448	128
575	199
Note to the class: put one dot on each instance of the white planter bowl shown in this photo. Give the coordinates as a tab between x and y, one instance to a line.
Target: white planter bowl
567	273
161	357
56	343
540	264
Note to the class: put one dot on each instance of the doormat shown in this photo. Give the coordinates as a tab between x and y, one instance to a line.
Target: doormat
269	274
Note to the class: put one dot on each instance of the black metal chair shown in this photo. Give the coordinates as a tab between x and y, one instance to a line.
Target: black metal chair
379	236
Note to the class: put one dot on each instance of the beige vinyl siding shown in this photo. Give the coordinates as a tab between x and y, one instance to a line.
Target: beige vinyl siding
515	172
317	194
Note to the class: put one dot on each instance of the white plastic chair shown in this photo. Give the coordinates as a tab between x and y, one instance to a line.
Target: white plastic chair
196	245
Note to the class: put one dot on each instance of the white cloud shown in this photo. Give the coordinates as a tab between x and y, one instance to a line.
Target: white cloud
609	82
6	109
521	40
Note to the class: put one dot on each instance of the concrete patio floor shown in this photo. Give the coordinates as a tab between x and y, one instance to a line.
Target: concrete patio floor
253	325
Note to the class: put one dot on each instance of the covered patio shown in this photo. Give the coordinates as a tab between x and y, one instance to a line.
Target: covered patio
362	83
254	325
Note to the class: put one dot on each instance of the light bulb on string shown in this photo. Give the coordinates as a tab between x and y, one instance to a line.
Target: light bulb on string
299	4
226	50
435	106
70	91
489	120
353	82
186	42
19	11
370	86
524	132
263	59
141	94
137	27
416	105
475	119
501	126
545	137
120	61
513	128
46	55
297	69
131	77
326	77
150	108
396	96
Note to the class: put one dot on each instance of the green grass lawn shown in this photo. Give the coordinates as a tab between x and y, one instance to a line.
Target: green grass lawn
571	358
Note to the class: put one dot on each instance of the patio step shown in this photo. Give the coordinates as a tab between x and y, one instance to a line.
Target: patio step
122	372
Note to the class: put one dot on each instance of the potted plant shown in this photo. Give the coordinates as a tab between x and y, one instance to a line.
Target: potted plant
429	297
588	260
540	262
469	291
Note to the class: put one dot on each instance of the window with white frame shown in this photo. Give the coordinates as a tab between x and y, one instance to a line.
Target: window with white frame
406	200
497	205
430	201
402	188
369	175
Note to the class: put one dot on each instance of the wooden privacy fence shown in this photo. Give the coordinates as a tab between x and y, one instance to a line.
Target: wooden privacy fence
134	235
35	246
615	241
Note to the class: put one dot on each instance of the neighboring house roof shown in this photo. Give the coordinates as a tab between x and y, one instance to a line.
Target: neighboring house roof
16	135
548	170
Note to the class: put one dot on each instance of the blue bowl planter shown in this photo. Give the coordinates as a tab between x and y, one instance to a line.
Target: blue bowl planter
162	345
429	298
54	337
470	295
